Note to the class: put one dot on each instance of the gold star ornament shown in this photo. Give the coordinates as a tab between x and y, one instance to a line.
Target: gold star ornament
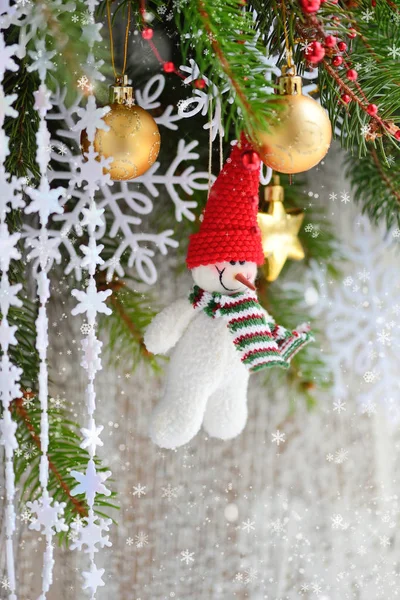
279	231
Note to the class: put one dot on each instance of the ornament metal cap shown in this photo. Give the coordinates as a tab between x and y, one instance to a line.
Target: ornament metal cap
274	192
121	92
289	83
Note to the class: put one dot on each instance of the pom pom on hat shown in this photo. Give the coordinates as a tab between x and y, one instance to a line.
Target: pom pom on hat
229	229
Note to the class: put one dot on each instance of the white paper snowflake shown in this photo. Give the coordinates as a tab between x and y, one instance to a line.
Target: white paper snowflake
89	537
47	515
125	204
90	483
360	315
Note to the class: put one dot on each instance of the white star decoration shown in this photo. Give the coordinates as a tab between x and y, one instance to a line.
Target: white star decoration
93	578
49	515
9	381
91	534
90	483
91	348
7	430
92	255
45	249
6	52
91	436
7	334
10	188
91	118
93	216
8	250
42	100
6	110
91	171
91	301
45	201
41	59
8	295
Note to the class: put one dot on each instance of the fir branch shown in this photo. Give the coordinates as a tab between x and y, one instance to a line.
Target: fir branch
376	186
64	454
222	37
18	407
132	313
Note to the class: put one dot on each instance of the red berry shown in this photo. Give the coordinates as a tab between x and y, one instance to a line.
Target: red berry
345	98
315	52
200	84
342	46
337	61
330	41
352	33
310	6
372	110
250	160
352	74
397	135
147	34
169	67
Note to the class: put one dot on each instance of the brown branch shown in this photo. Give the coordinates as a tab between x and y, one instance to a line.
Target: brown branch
115	285
382	173
131	326
23	413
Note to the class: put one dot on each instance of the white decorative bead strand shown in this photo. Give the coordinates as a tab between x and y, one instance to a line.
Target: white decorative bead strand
10	198
47	514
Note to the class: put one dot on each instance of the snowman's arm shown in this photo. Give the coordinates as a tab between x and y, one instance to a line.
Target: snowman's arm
168	326
289	341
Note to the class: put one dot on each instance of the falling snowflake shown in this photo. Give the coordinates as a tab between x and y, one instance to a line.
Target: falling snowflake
141	539
341	456
248	526
250	575
367	15
345	197
339	406
139	490
169	492
130	541
278	437
394	52
187	557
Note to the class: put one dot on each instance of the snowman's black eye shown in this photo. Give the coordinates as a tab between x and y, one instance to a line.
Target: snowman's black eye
241	262
232	262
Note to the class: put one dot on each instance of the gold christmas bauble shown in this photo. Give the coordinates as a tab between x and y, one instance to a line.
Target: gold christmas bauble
302	135
133	139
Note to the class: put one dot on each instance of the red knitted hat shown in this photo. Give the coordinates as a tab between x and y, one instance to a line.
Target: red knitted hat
229	229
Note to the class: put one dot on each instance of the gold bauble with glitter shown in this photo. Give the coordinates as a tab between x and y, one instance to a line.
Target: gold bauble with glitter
302	134
133	139
279	230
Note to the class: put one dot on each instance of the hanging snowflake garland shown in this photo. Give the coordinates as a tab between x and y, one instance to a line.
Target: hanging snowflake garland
11	198
47	514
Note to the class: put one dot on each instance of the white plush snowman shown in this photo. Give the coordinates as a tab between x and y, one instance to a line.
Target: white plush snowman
219	334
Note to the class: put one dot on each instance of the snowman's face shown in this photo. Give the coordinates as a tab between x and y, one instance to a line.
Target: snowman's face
221	277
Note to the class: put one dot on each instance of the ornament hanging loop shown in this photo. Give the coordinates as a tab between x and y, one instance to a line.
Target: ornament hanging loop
128	24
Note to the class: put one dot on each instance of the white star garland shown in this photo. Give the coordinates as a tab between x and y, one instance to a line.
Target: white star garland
47	514
10	196
91	302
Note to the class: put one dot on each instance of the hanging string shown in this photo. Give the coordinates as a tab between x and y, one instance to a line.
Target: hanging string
221	156
112	39
210	146
289	61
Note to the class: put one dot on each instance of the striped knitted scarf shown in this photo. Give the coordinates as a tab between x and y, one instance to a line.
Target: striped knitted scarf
259	340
